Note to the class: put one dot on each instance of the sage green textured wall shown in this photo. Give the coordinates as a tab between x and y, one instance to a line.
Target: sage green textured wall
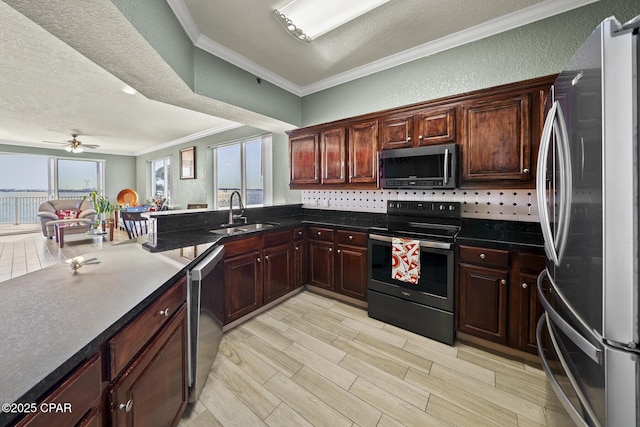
225	82
200	190
534	50
155	21
120	171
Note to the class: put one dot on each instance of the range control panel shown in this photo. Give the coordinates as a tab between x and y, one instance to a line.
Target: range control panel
432	209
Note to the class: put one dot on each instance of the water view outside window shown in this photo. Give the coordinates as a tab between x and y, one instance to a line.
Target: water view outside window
229	173
77	178
27	180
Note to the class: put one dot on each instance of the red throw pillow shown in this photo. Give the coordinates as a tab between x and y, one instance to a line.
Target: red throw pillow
67	213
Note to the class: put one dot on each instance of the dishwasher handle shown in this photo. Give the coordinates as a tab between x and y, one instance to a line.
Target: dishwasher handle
207	265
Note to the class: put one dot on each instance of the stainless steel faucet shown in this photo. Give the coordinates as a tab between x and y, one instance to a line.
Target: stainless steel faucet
233	217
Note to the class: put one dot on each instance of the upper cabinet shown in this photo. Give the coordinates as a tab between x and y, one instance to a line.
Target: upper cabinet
304	152
336	156
497	129
435	125
496	139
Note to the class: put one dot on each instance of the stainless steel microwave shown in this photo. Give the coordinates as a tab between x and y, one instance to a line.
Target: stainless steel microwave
419	168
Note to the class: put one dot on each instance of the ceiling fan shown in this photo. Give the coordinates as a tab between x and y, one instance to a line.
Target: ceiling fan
73	145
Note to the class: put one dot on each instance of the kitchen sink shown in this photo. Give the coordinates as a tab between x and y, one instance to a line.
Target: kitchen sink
243	228
258	226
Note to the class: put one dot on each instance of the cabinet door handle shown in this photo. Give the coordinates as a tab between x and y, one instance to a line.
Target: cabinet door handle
525	286
258	259
525	171
408	139
266	258
319	233
503	281
420	137
126	406
350	237
338	251
299	233
164	313
297	248
330	249
482	256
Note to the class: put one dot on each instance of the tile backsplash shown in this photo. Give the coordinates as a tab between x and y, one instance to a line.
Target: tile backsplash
510	205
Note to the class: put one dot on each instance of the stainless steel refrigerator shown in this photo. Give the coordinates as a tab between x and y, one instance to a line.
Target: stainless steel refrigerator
587	188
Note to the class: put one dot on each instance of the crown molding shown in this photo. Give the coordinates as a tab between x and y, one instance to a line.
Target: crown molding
189	138
508	22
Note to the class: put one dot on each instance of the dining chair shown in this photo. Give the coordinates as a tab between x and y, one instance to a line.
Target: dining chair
134	223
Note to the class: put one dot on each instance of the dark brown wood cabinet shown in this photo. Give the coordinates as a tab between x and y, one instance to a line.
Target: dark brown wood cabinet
426	126
321	262
304	161
497	295
396	131
497	129
333	156
78	397
483	276
153	391
363	149
496	141
278	265
526	301
337	261
351	264
243	291
299	257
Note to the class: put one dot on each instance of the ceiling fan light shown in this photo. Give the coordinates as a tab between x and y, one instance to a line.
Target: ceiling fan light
77	150
69	148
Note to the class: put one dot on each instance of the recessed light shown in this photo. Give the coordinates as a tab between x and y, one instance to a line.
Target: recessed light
129	90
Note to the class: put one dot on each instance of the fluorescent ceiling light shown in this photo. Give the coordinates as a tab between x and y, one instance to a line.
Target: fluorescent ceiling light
309	19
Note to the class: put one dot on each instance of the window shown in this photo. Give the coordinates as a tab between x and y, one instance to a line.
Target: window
160	172
243	166
77	178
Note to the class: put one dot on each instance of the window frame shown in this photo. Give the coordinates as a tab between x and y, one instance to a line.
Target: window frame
266	165
53	165
168	179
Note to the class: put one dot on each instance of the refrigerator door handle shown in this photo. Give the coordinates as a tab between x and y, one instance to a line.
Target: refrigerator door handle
541	176
556	125
585	346
562	396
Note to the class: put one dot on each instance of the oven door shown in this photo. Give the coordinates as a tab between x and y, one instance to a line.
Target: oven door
435	285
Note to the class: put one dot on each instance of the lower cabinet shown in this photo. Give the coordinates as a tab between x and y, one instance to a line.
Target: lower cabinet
278	267
497	295
242	277
153	391
299	257
140	374
337	261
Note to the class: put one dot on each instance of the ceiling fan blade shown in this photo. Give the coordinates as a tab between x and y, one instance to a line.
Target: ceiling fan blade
55	142
89	146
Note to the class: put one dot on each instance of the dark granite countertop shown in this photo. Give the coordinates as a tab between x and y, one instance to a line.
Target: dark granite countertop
51	319
501	234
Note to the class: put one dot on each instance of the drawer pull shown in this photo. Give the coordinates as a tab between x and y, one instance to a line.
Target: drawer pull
482	256
350	237
319	233
297	248
503	281
164	313
126	406
525	286
330	249
299	233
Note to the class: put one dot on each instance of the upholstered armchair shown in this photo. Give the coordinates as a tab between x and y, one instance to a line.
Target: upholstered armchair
58	211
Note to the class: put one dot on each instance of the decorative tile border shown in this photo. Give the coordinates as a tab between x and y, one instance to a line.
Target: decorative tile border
510	205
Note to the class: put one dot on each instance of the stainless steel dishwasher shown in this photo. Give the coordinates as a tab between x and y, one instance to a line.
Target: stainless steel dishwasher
205	305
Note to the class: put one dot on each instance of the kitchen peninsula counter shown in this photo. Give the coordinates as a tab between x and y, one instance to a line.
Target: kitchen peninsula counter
51	320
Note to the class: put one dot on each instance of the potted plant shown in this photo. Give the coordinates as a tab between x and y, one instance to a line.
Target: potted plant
102	206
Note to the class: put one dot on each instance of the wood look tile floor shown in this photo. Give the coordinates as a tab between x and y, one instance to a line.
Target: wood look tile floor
314	361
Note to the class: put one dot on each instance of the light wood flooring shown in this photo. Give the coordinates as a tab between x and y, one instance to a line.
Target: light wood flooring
314	361
23	253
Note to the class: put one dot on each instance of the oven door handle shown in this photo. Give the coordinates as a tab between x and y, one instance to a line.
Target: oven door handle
423	243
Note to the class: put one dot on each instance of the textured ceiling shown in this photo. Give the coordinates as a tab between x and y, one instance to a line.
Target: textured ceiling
63	63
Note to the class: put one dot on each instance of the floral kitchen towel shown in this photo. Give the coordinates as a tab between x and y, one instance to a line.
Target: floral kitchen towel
405	260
